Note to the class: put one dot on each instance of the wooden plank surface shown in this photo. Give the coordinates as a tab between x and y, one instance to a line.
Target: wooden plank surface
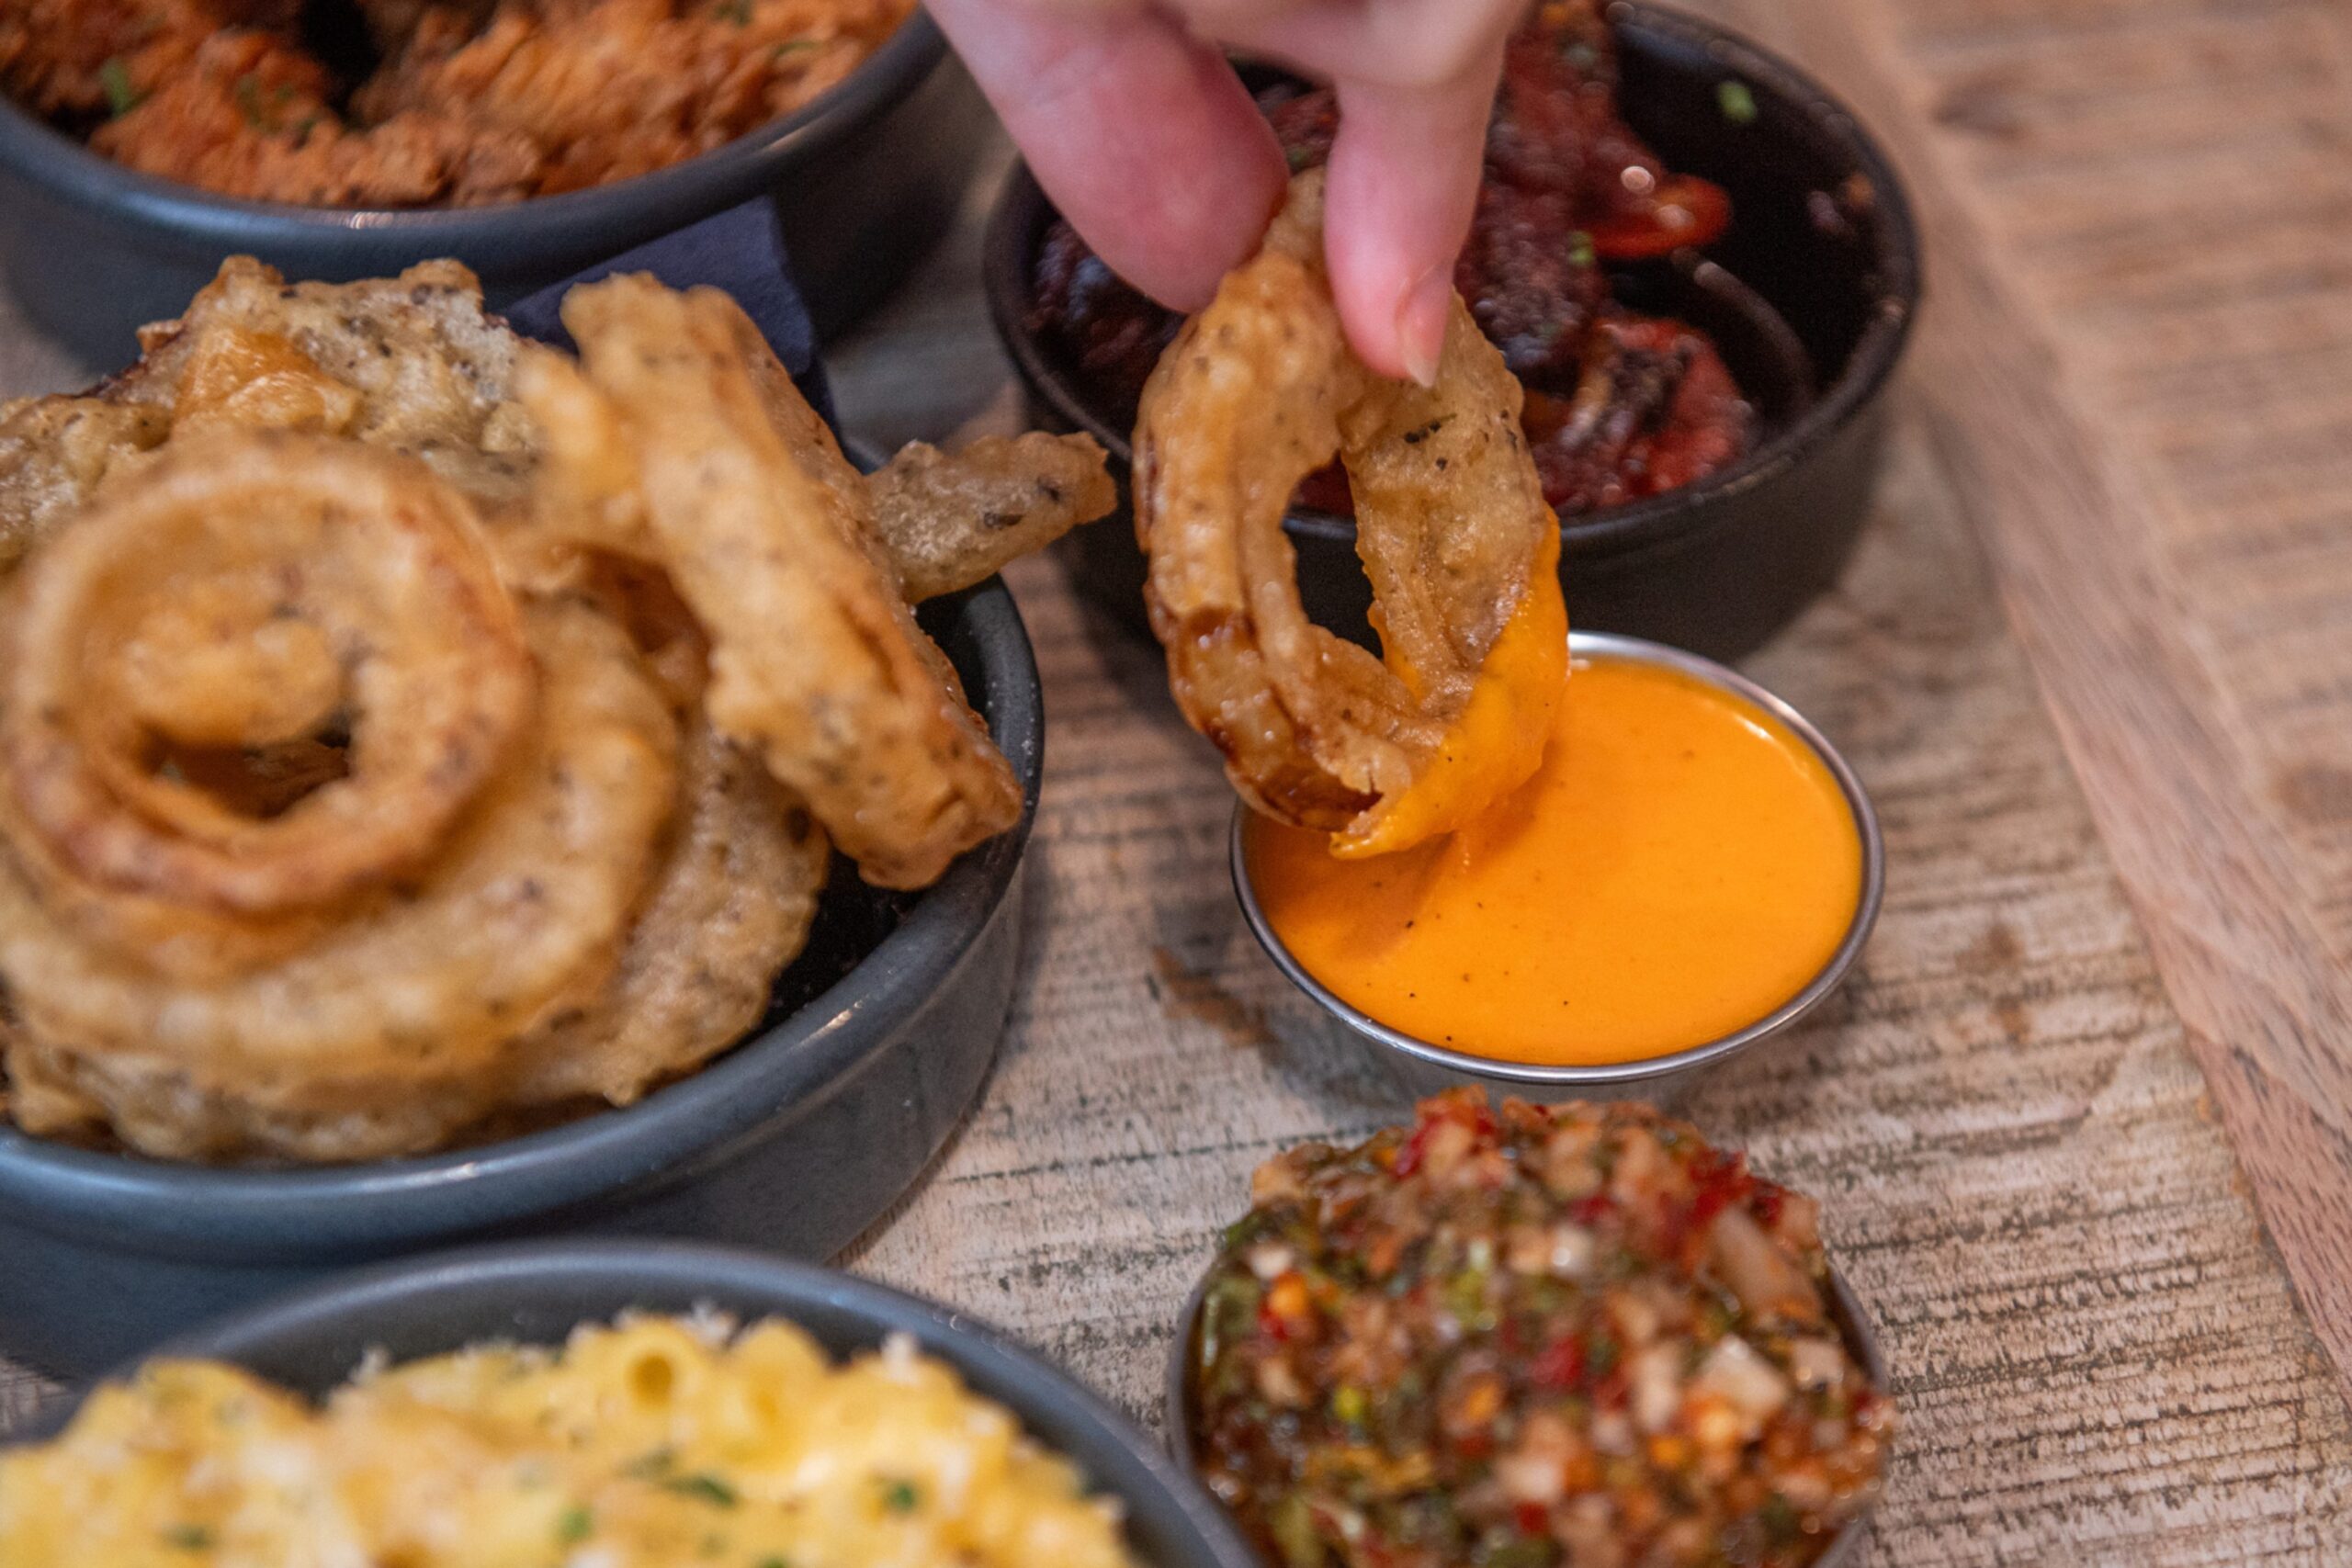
2139	367
2099	1354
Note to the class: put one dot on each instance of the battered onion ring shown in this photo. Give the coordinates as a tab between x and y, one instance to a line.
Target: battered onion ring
56	1092
942	521
949	521
222	667
731	904
1258	391
419	994
382	559
765	529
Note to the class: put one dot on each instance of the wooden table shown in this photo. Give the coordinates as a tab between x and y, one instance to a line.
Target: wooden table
2094	661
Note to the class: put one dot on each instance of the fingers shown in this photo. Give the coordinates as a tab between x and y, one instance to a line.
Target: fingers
1396	42
1397	203
1140	133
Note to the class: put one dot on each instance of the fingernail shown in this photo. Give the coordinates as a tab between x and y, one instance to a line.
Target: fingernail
1423	311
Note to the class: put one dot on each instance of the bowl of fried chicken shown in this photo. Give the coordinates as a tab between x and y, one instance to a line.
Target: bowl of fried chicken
142	141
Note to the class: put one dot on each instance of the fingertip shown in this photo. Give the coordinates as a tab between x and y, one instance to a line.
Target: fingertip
1423	313
1402	188
1142	135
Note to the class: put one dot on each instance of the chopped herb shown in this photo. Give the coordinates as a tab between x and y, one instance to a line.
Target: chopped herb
902	1496
710	1488
794	46
1349	1403
736	11
572	1525
651	1465
1736	101
1294	1532
1580	253
1782	1526
1300	158
190	1538
778	1561
122	96
248	92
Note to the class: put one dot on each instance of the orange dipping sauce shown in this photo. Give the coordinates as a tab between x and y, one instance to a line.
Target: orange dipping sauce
1681	866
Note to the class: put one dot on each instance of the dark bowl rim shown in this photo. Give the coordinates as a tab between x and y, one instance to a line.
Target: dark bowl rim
302	1212
1846	1312
38	154
1021	1379
1656	522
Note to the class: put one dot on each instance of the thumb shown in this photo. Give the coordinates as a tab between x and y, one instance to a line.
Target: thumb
1402	188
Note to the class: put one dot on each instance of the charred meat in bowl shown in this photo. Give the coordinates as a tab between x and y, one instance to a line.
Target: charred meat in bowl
1620	405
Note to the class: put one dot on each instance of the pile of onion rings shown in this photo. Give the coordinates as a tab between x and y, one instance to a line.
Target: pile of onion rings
1259	391
399	741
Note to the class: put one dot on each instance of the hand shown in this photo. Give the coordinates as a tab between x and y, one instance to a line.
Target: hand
1147	140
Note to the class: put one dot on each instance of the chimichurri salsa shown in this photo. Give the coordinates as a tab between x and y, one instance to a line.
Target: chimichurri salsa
1574	1336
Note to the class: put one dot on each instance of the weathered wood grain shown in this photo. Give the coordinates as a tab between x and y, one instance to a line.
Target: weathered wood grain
2139	368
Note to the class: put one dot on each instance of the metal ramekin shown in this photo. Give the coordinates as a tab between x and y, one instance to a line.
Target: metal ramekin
1649	1072
1845	1310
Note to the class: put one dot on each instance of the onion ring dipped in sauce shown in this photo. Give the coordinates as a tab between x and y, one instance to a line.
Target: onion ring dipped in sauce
1682	866
256	592
389	1029
765	529
1260	390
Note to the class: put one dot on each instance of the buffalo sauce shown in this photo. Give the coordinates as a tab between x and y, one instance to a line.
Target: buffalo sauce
1679	866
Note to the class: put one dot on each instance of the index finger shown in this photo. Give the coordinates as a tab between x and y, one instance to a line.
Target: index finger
1140	133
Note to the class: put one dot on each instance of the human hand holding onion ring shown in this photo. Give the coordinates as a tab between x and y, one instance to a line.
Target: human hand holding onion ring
1149	143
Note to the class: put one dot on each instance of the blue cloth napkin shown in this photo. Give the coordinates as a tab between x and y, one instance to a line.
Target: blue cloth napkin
740	250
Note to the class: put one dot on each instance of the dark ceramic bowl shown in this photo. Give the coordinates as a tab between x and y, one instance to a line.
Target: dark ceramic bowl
863	179
876	1043
536	1293
1821	234
1845	1547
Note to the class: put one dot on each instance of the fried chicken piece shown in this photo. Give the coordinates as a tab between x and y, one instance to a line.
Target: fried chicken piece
251	116
82	59
606	89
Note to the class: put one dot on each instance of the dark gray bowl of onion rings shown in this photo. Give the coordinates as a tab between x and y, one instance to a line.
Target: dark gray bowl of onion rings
1809	294
877	1041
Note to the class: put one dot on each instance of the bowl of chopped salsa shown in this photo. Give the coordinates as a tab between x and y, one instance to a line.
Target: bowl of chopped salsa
1700	269
1530	1337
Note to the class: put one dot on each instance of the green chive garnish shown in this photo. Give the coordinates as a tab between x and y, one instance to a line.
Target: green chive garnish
122	96
710	1488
